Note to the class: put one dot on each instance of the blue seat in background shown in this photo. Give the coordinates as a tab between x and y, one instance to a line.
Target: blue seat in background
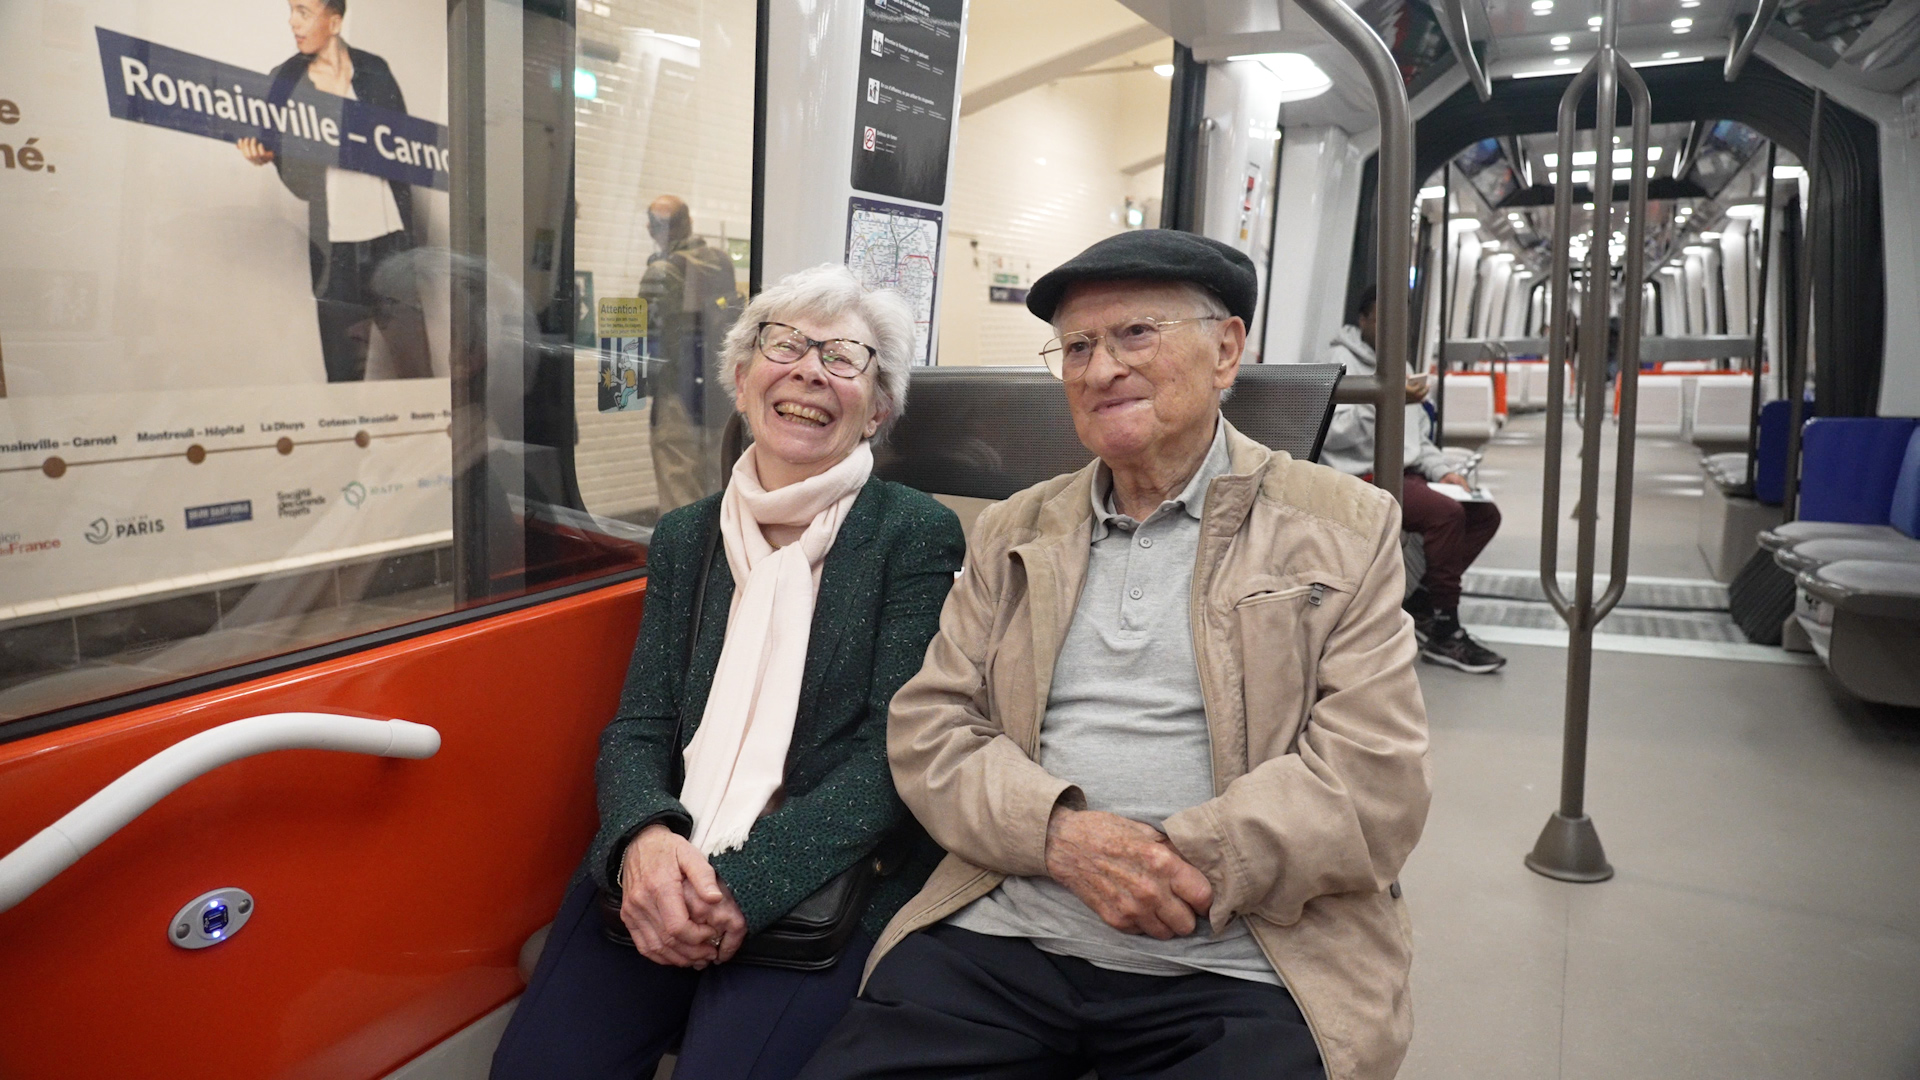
1849	467
1903	510
1770	474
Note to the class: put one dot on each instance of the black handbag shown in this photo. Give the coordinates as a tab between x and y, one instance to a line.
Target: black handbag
812	936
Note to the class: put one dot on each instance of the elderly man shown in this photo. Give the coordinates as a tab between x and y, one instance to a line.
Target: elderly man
1169	732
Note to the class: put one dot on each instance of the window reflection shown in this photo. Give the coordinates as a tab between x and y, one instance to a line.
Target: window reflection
276	378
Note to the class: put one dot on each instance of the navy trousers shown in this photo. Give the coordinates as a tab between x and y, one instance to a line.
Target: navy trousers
948	1002
598	1010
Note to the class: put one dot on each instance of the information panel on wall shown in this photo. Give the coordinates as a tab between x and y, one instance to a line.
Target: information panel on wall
223	293
903	119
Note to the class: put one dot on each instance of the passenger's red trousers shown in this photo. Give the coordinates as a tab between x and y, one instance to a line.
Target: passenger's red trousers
1455	534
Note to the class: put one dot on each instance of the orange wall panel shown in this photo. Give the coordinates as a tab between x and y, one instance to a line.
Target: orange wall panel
392	896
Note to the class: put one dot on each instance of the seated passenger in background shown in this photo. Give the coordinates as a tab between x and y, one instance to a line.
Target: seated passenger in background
1455	533
1169	731
828	586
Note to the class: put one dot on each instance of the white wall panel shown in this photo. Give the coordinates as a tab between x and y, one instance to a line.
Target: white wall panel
1037	178
1900	217
1313	242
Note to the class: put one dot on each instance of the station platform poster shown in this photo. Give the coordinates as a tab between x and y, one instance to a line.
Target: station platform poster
223	291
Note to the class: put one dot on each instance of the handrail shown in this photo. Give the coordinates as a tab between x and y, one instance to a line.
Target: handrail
1741	47
1454	16
1569	846
1760	326
1803	349
64	842
1633	277
1560	284
1393	208
1452	245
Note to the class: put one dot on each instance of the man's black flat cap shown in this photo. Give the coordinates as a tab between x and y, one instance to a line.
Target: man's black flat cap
1155	255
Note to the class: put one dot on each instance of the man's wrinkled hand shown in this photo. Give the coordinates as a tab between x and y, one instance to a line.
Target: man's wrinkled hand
1126	872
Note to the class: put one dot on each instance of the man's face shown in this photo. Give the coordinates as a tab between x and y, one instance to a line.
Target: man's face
1132	413
313	24
1366	322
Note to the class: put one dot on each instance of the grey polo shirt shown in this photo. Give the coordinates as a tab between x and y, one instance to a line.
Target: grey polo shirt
1126	722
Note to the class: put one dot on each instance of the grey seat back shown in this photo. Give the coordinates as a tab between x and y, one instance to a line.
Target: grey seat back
987	432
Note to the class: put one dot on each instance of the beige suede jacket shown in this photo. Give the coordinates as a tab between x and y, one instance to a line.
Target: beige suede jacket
1318	729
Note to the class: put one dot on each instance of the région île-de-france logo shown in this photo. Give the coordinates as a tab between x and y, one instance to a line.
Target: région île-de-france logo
12	543
100	530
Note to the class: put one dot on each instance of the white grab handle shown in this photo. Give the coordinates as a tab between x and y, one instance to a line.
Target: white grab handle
62	843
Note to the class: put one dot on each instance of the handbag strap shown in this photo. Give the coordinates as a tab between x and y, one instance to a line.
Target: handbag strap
678	765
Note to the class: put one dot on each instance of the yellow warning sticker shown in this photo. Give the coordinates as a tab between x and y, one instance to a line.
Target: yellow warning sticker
623	317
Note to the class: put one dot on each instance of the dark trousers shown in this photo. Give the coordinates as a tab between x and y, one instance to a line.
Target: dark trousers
598	1010
350	304
947	1002
1455	533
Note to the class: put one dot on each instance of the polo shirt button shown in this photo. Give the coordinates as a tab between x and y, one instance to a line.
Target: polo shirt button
1146	541
1135	593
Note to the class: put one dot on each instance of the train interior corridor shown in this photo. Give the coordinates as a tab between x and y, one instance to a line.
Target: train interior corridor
1762	920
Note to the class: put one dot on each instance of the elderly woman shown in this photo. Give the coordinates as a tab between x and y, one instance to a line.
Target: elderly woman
828	587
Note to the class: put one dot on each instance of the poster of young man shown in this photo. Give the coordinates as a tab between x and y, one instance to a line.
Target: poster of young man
356	221
223	295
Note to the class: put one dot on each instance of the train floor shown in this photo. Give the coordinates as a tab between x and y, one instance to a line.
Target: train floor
1764	918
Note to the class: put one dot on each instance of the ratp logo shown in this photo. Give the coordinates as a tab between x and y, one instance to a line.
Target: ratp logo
354	493
100	531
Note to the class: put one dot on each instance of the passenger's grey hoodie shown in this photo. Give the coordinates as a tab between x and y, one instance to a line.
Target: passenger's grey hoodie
1349	445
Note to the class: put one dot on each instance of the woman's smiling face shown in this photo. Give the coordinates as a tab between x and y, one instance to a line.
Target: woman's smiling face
804	419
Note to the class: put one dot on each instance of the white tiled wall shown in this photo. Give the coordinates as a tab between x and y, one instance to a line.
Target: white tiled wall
673	116
1036	179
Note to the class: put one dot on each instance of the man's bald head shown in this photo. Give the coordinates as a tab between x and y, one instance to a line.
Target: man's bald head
669	221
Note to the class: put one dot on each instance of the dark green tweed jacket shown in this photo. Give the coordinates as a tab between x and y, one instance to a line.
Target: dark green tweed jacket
881	589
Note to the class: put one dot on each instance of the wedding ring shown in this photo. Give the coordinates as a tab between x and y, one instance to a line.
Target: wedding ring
716	941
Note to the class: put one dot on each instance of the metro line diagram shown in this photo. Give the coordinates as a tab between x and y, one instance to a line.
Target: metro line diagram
898	247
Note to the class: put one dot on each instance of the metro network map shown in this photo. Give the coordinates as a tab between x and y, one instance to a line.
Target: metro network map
898	247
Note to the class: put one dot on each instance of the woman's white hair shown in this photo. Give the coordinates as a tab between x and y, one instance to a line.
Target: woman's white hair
824	293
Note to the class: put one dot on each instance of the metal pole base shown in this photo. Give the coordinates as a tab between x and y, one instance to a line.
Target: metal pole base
1569	850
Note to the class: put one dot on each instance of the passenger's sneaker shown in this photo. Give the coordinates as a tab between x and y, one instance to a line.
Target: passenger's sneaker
1459	650
1420	606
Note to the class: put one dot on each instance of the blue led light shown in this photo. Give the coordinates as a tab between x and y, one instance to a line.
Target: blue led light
585	85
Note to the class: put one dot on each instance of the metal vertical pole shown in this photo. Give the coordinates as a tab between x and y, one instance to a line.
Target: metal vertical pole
1569	847
467	345
1446	302
1760	324
1392	212
1797	363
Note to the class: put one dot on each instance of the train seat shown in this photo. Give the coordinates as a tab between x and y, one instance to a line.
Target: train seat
1809	554
1530	383
1661	411
1717	408
987	432
1863	619
1861	484
1471	418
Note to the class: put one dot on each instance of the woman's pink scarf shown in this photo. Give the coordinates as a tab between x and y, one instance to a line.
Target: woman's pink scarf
737	759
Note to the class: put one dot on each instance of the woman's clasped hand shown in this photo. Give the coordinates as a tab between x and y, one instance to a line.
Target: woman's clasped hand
674	905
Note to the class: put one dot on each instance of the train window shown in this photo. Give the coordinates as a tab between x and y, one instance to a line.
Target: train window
1063	137
332	318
